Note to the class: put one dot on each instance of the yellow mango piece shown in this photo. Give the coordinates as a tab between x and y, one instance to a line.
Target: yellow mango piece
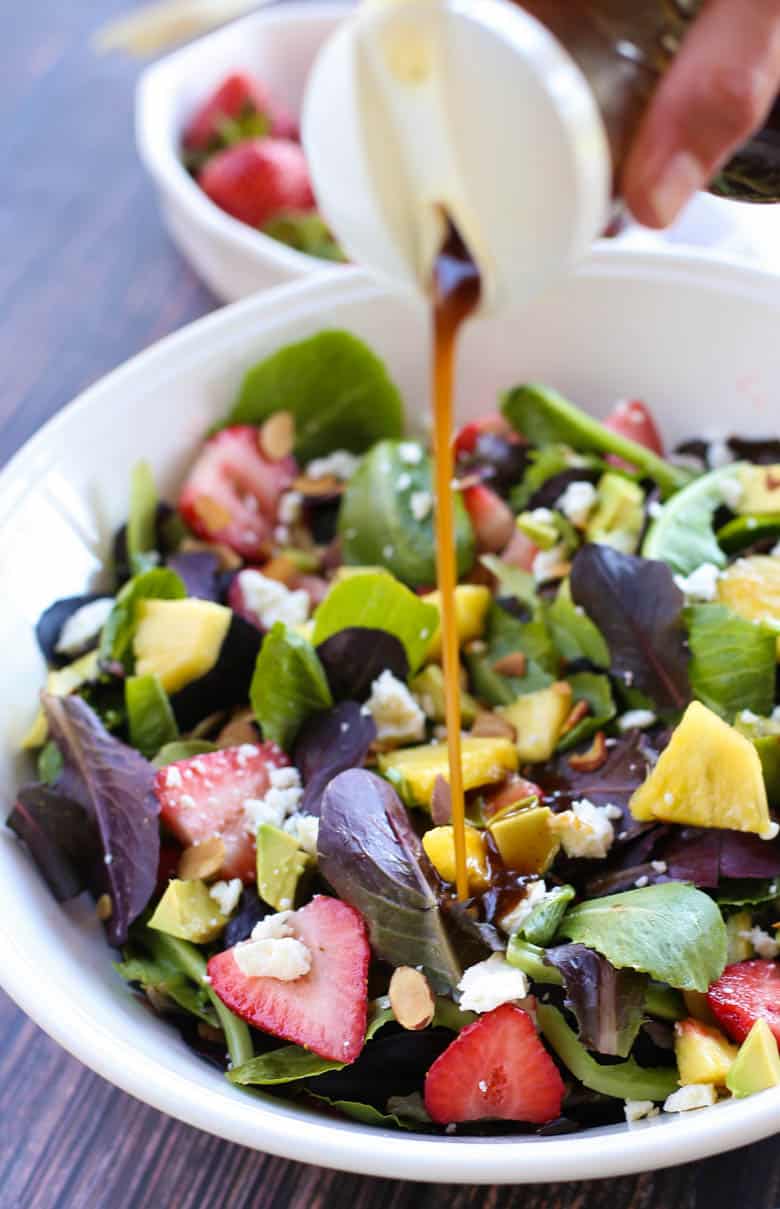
538	719
439	845
187	911
61	682
703	1053
178	640
760	490
472	602
484	762
525	840
751	588
708	776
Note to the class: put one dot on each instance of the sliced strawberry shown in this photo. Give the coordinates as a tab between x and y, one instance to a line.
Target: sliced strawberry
745	993
520	551
232	492
492	520
466	438
239	96
256	179
633	419
326	1009
205	796
495	1069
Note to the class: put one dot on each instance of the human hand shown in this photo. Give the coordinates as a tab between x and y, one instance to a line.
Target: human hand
717	92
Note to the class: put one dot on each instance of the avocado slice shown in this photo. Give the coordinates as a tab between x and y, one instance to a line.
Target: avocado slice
537	528
428	687
760	490
538	719
188	912
764	734
757	1065
703	1054
525	840
280	865
413	770
619	516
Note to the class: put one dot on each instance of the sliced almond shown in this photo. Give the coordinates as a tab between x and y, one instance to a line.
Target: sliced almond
411	998
104	908
277	435
202	861
592	759
228	559
493	726
282	569
327	485
515	664
580	711
240	729
211	513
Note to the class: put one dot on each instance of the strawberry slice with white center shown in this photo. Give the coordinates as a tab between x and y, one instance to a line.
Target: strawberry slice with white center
744	993
325	1010
492	520
232	493
205	795
495	1069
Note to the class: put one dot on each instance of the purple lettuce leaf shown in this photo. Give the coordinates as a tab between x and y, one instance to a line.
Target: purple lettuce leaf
627	766
329	743
61	838
199	572
114	785
353	659
373	859
639	610
608	1003
50	624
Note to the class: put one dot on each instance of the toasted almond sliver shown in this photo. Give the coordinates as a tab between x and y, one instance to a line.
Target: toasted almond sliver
240	729
515	664
580	711
441	802
277	435
202	861
211	513
411	998
104	908
592	759
282	569
327	485
493	726
227	558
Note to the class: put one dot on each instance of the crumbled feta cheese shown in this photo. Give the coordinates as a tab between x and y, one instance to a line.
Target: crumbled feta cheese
395	712
83	626
547	563
404	481
490	983
747	715
542	516
655	509
272	601
290	507
273	927
731	492
586	831
281	799
701	584
641	882
639	1110
305	828
775	551
341	464
410	453
226	895
693	1095
577	502
512	920
771	833
286	959
421	503
764	945
659	866
636	719
719	454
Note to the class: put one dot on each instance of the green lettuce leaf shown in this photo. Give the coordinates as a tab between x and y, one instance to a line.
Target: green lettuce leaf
574	634
733	661
684	535
512	581
149	715
597	691
142	519
374	600
160	974
545	919
337	389
289	684
182	749
670	931
116	640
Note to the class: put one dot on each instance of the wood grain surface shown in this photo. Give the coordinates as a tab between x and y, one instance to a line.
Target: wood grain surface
87	278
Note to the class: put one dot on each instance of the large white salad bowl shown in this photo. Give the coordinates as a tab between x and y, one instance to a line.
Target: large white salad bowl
697	340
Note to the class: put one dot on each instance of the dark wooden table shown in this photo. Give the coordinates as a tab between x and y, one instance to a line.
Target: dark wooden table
87	278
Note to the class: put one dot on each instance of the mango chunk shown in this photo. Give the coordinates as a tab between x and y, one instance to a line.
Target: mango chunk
538	719
708	776
439	845
703	1053
525	840
760	489
187	911
751	588
484	762
178	640
472	602
757	1065
61	682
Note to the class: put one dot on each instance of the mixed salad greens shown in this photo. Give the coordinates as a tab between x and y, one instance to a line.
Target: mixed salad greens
240	756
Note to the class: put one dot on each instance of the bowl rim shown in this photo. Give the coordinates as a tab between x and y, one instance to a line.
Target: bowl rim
160	155
278	1128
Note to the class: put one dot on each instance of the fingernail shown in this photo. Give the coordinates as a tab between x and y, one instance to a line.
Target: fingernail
680	179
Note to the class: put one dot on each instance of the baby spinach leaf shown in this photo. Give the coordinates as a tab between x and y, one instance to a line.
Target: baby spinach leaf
374	600
512	581
182	749
329	743
684	535
366	1114
61	838
373	859
733	661
636	605
597	691
545	417
670	931
288	685
543	922
609	1004
142	519
160	583
337	389
623	1080
574	634
378	525
284	1065
149	715
354	658
504	635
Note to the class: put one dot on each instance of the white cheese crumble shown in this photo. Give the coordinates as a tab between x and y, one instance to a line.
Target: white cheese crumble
693	1095
577	502
83	626
719	454
655	509
775	551
290	507
286	959
639	1110
410	453
305	828
731	492
764	945
636	719
511	921
281	799
586	830
546	564
421	503
226	895
272	601
396	714
490	983
341	464
701	584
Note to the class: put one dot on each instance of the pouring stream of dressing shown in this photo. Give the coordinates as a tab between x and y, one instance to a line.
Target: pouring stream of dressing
456	293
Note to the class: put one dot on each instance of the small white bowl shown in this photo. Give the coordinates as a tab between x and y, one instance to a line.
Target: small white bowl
696	339
278	45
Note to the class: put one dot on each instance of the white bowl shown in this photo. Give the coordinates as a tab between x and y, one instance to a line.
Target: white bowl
697	340
278	45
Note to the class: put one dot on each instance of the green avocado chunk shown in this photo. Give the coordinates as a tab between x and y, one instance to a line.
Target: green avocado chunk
757	1065
280	864
188	912
619	516
760	490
